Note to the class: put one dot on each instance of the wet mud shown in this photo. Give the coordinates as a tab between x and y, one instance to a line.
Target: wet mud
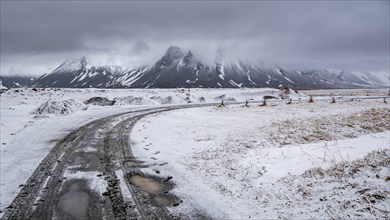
74	202
157	189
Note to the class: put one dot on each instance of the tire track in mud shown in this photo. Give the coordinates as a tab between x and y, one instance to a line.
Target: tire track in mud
38	197
143	199
48	176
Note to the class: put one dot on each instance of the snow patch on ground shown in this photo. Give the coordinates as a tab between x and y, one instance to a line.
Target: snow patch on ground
350	189
220	166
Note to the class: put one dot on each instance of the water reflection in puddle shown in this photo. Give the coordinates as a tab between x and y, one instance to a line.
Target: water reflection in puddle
75	202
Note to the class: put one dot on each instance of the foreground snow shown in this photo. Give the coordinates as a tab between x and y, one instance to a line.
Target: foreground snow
222	159
33	120
225	164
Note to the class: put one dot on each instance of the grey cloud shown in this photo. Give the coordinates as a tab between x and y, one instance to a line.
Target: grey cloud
140	47
346	34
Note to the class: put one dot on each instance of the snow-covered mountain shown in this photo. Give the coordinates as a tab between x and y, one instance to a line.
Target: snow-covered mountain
178	68
16	78
78	74
16	81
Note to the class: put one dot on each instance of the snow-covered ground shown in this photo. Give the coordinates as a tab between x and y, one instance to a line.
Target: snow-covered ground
252	162
348	92
33	120
222	159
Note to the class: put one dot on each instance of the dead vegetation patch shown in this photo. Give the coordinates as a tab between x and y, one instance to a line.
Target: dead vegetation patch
355	189
329	128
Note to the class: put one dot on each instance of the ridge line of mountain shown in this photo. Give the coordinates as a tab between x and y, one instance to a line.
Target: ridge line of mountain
178	68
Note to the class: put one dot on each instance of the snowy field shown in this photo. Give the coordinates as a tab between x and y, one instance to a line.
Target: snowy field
278	160
33	120
348	92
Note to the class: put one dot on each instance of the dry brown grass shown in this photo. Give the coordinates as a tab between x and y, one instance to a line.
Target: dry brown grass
328	129
347	190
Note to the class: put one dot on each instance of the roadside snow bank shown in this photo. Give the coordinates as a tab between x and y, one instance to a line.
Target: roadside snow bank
59	107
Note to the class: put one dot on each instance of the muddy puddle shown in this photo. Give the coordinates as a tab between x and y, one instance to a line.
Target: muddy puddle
75	202
147	184
156	188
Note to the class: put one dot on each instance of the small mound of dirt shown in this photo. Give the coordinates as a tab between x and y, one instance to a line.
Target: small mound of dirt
99	101
130	100
59	107
202	99
162	100
266	97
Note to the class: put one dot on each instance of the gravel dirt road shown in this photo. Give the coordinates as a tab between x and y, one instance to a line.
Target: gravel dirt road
91	173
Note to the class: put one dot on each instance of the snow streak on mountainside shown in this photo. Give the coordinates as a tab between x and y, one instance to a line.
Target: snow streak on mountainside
178	68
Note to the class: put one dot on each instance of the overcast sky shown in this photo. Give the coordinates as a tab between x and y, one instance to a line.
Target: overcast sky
353	35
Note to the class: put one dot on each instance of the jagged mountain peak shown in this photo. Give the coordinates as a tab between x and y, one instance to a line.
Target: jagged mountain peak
83	61
189	58
180	68
189	54
173	53
72	65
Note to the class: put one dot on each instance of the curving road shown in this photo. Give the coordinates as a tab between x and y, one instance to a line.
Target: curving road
91	173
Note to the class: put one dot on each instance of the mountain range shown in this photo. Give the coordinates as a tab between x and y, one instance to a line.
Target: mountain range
178	68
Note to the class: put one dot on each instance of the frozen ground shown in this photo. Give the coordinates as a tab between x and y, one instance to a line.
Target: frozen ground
33	120
258	162
348	92
231	162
